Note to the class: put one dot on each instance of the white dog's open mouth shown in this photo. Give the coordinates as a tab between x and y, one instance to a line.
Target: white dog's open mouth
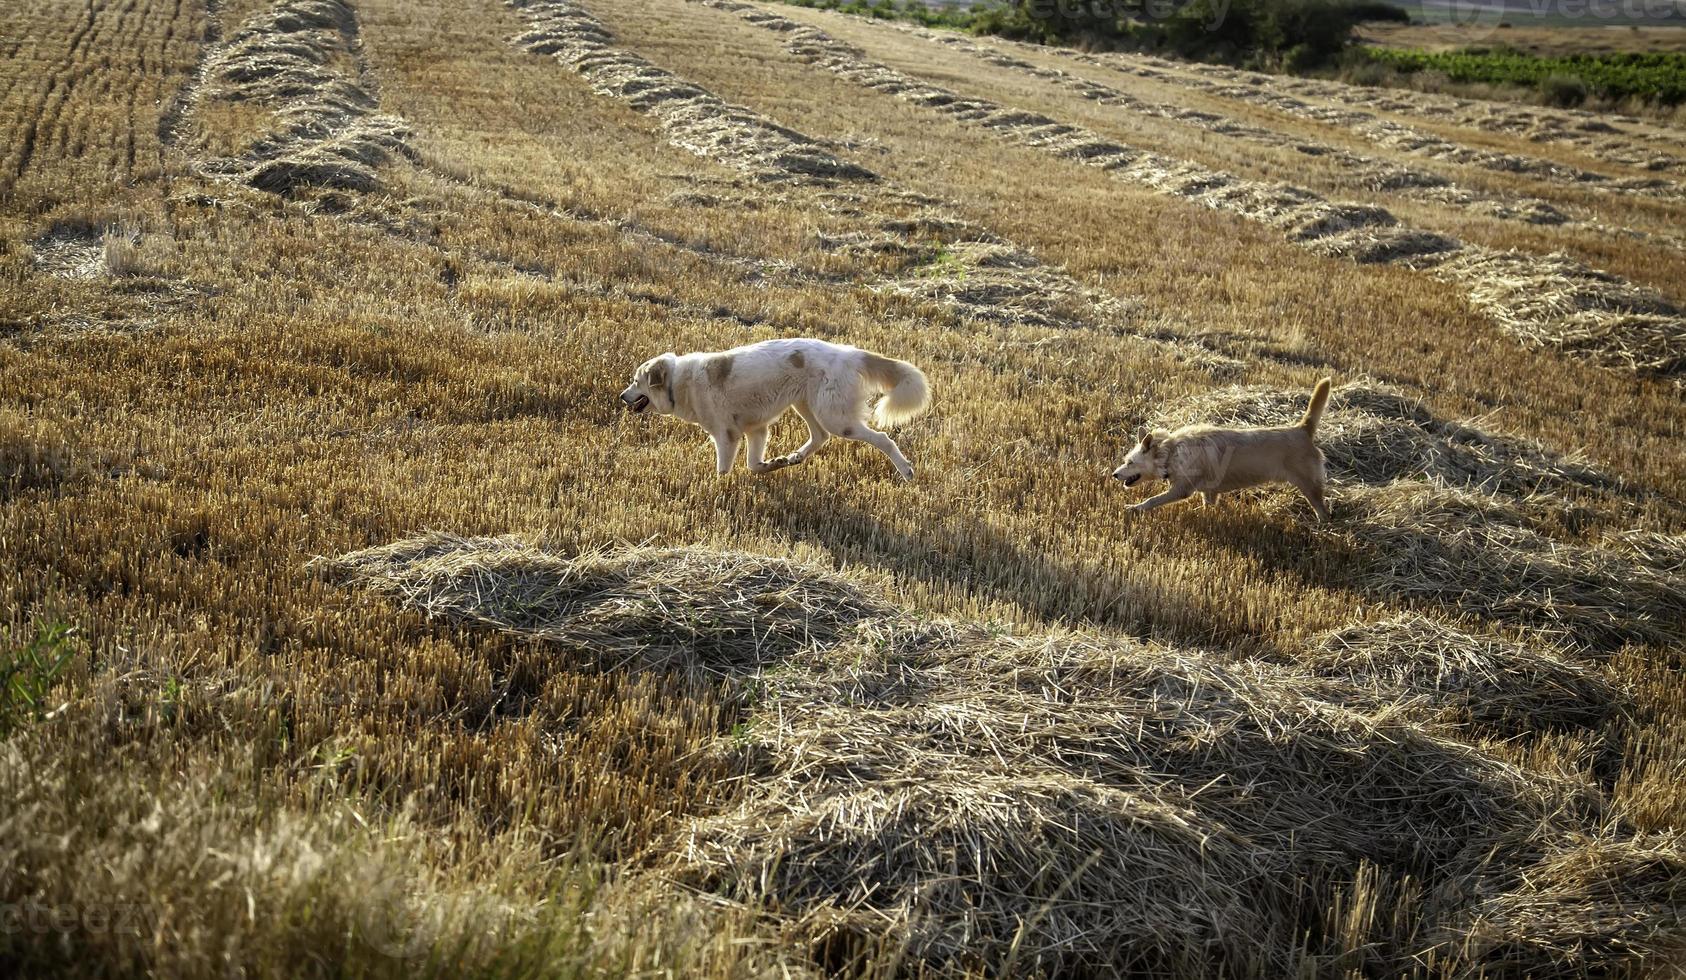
640	403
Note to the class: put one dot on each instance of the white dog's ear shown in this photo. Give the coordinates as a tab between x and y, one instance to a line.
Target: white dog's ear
1146	438
658	371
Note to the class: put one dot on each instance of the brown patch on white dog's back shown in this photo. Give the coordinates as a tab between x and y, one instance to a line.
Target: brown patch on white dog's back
797	360
719	369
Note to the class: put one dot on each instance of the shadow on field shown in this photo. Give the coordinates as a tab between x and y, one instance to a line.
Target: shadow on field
971	556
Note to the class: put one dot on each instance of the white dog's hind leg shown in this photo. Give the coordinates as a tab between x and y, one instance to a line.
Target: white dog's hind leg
1170	496
756	444
883	444
817	435
725	451
1208	498
842	416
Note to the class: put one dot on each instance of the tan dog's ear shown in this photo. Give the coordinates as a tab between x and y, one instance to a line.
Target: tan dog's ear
1147	438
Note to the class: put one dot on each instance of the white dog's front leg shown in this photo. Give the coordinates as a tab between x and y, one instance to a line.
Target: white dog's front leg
725	451
1170	496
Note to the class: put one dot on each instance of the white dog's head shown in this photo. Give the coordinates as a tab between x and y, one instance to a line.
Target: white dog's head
1146	459
652	385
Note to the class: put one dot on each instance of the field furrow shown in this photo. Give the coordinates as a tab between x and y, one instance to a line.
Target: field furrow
1398	136
1336	167
1622	140
98	82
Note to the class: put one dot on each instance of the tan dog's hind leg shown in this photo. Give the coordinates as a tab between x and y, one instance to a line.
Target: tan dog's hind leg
725	450
1208	498
756	444
1170	496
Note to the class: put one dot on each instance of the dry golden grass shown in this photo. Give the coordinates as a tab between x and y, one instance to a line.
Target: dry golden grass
215	388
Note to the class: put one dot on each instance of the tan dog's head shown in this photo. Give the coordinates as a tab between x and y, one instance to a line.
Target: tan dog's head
652	385
1146	459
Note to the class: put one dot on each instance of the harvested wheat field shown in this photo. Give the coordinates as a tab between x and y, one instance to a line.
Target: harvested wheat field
350	626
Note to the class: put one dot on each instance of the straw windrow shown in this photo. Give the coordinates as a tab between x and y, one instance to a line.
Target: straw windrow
694	118
301	59
1591	132
629	607
1518	688
1480	555
1068	801
1364	172
1271	93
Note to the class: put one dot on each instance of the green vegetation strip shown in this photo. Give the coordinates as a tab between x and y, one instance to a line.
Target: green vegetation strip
1660	76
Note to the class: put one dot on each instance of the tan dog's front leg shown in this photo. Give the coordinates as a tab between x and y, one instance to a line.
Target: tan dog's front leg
725	450
1312	489
1170	496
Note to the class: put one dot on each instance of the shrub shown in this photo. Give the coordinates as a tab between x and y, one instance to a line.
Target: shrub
1297	33
1368	73
1563	90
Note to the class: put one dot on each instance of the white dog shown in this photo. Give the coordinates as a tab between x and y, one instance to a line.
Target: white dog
734	395
1213	460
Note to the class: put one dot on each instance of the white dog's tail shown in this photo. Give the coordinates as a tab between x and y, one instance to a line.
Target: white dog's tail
905	392
1314	411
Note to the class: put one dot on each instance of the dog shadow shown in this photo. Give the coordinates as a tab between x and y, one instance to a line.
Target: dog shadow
973	558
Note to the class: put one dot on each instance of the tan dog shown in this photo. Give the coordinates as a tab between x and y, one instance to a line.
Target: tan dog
734	395
1212	461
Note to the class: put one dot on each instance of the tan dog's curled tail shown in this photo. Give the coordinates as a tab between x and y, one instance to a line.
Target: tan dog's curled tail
1314	411
905	392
